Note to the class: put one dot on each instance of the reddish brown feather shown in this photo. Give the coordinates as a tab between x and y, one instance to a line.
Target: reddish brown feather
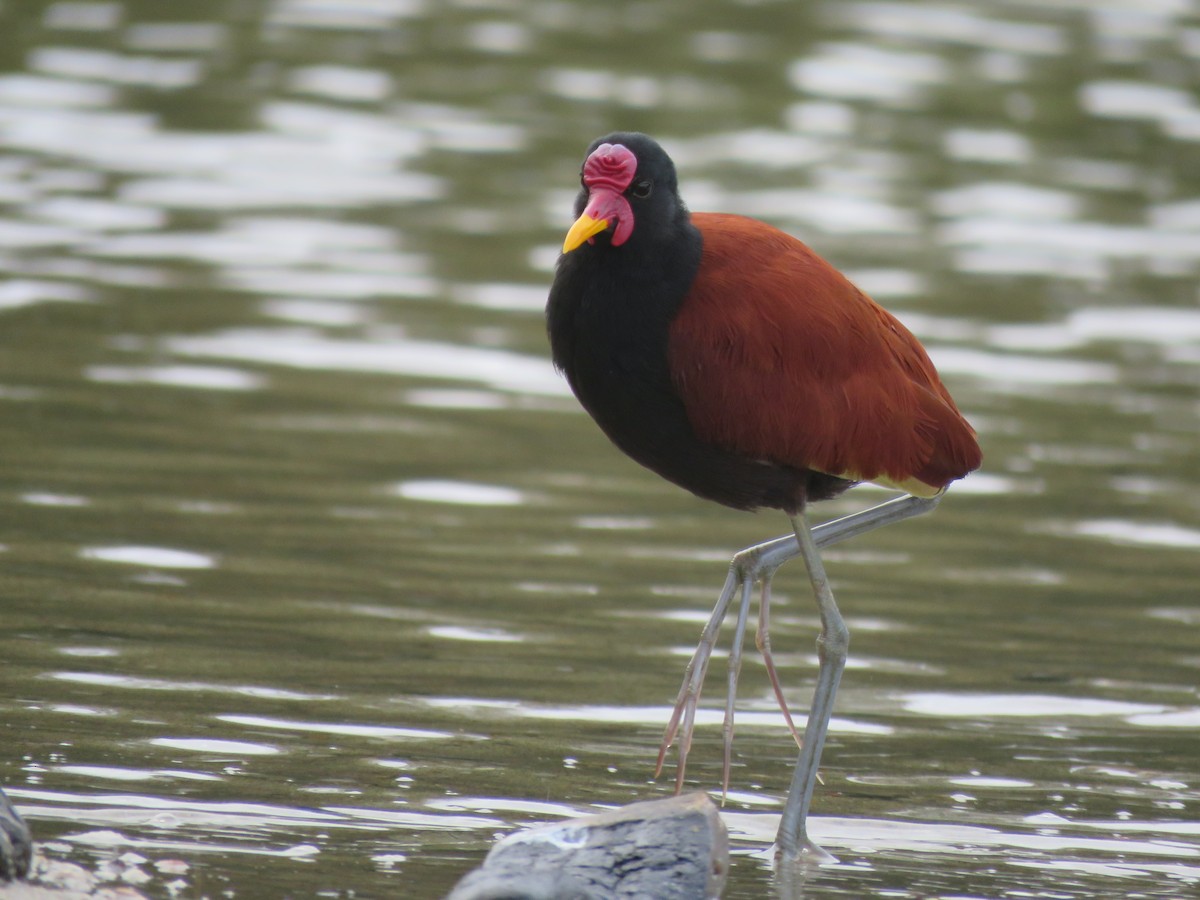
778	357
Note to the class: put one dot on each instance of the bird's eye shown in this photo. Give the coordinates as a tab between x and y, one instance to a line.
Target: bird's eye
642	189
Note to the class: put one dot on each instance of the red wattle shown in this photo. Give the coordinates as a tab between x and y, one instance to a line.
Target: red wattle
605	203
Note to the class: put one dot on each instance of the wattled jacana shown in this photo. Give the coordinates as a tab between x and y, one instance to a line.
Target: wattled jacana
729	358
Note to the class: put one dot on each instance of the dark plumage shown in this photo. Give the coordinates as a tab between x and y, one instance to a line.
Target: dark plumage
729	358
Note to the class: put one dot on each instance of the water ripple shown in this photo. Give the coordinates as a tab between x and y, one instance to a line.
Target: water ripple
342	728
165	684
443	491
1022	705
307	349
153	557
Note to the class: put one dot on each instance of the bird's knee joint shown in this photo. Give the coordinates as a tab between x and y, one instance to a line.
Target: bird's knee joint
747	565
833	642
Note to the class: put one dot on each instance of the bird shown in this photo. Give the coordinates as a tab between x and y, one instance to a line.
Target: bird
726	356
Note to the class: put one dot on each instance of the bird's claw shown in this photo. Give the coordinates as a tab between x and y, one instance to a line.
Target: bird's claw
743	574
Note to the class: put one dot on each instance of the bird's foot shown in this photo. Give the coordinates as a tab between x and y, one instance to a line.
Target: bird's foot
682	721
803	856
762	640
747	568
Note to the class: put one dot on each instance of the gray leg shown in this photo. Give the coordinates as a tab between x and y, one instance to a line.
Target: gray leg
758	564
773	554
832	644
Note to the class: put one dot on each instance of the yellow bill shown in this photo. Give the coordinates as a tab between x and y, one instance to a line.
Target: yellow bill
585	227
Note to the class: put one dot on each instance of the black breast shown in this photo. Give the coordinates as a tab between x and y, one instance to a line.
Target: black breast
608	319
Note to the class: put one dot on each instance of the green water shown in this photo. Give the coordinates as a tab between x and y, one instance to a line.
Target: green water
314	577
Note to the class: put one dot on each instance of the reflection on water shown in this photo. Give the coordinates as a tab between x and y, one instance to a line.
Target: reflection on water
308	543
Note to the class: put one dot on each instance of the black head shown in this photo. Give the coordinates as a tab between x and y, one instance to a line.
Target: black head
629	195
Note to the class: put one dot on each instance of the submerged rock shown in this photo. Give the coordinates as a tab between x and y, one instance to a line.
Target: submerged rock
16	843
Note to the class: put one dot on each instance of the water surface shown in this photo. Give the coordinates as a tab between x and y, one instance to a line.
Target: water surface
315	578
